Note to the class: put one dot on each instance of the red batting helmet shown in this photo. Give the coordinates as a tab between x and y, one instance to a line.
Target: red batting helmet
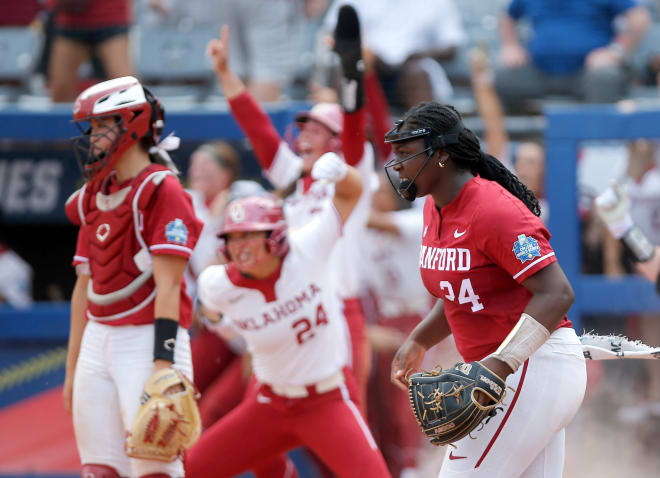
256	213
139	116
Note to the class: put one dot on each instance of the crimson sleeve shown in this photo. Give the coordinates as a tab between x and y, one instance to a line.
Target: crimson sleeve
257	126
513	237
353	136
379	114
170	224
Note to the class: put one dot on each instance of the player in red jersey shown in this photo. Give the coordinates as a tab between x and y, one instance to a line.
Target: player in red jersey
130	309
486	254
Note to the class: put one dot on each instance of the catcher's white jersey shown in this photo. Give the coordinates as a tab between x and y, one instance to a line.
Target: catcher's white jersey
393	275
308	200
292	322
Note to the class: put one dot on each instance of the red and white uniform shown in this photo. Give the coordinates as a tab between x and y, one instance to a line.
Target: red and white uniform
293	328
282	166
475	254
121	227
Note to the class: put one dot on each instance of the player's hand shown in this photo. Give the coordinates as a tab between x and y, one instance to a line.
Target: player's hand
613	207
329	167
407	360
513	55
499	368
218	50
67	393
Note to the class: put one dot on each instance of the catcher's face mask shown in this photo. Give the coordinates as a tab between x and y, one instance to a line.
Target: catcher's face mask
405	186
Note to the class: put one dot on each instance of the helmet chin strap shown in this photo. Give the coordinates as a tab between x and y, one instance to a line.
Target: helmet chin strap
407	189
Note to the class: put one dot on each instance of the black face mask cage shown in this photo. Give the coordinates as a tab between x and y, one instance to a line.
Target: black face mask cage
406	189
92	159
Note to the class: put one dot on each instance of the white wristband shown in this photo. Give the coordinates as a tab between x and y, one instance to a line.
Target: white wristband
523	340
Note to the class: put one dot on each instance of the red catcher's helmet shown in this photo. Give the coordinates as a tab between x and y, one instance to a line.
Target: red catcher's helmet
139	116
256	213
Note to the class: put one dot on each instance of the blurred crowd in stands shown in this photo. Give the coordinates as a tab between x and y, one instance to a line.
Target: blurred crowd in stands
495	60
588	51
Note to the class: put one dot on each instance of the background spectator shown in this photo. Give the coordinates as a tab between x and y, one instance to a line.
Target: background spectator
83	28
15	279
573	49
406	54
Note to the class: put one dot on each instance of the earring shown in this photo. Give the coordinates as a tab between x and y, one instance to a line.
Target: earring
441	164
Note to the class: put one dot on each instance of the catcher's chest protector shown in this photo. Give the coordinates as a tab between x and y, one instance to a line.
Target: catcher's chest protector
119	261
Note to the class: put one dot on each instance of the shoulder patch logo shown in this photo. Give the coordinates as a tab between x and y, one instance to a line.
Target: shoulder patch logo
526	248
176	231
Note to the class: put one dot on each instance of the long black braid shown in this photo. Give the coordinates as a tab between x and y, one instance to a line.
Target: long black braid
467	154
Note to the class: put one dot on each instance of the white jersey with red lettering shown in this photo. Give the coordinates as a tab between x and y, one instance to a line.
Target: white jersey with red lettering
393	275
292	321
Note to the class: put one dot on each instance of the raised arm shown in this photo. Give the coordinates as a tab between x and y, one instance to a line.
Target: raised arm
348	46
348	184
252	119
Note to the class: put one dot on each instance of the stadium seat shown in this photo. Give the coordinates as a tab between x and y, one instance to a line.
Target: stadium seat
174	62
18	51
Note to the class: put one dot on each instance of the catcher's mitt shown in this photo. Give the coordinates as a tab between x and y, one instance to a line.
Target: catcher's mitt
168	420
444	403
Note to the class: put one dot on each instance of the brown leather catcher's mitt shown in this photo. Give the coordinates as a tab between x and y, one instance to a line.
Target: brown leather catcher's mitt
168	421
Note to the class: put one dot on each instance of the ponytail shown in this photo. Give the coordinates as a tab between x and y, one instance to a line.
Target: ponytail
491	168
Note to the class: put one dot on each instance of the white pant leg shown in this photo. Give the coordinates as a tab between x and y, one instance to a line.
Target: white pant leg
550	462
97	420
549	389
131	365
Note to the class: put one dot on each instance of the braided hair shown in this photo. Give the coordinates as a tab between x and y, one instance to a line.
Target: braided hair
467	154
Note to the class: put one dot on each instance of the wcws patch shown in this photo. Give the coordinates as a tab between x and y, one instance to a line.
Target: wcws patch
444	258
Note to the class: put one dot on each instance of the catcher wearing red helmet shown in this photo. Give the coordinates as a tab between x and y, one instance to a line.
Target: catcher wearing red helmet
130	309
276	292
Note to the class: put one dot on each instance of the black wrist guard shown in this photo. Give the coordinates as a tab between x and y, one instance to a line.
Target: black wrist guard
642	249
348	47
165	338
657	284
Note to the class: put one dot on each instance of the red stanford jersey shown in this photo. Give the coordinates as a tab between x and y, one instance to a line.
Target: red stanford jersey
475	254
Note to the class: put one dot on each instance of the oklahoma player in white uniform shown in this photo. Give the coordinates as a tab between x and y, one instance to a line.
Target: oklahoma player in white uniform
325	128
486	254
130	309
276	292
